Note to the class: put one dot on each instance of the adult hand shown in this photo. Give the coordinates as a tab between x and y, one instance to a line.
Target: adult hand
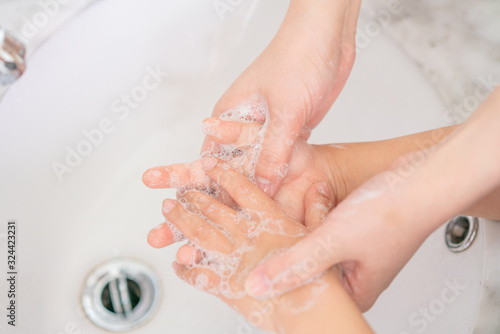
374	231
366	234
295	80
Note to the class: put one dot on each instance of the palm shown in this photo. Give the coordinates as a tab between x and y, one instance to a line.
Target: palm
305	169
306	166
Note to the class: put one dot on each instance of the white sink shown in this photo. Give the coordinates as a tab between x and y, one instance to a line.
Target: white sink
101	210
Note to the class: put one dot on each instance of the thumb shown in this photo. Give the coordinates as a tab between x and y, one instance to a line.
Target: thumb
317	204
280	135
288	270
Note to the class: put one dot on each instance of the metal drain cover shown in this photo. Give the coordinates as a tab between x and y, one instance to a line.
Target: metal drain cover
121	294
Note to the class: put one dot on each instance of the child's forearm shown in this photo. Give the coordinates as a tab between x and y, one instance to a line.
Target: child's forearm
358	162
361	161
320	308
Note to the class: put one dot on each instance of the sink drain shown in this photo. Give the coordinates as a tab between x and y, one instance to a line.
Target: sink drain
121	295
460	233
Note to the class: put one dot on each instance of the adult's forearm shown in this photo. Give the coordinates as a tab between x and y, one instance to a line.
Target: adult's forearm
323	23
487	207
462	170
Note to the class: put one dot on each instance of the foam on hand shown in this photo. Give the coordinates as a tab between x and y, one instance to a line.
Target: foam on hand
252	110
231	269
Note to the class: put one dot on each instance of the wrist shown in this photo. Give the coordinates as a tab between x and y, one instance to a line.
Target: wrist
330	9
347	166
330	159
322	23
322	306
291	305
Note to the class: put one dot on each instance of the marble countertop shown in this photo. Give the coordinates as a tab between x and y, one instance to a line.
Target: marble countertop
456	43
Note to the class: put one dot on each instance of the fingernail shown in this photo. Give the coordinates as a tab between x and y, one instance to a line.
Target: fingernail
209	163
323	189
206	127
265	185
258	285
159	227
210	126
168	205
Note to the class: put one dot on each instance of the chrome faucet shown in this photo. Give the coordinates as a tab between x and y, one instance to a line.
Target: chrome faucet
12	58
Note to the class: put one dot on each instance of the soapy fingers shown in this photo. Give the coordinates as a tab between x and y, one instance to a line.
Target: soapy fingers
246	194
231	132
195	228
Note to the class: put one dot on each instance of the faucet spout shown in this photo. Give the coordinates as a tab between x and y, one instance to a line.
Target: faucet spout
12	58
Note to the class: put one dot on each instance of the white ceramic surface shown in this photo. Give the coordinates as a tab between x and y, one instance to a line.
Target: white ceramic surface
101	210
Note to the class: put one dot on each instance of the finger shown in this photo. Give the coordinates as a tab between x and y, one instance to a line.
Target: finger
237	109
215	191
317	204
246	194
209	146
279	138
196	228
228	132
163	235
214	210
309	257
175	176
188	255
233	222
243	136
201	278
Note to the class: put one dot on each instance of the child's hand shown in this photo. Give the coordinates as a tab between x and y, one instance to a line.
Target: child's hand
333	170
358	234
226	243
236	143
344	169
308	164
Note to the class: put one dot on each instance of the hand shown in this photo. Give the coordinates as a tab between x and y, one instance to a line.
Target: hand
343	168
227	243
295	80
334	169
374	231
311	167
366	234
308	164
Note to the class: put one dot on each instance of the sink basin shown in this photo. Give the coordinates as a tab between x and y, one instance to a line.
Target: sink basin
124	86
